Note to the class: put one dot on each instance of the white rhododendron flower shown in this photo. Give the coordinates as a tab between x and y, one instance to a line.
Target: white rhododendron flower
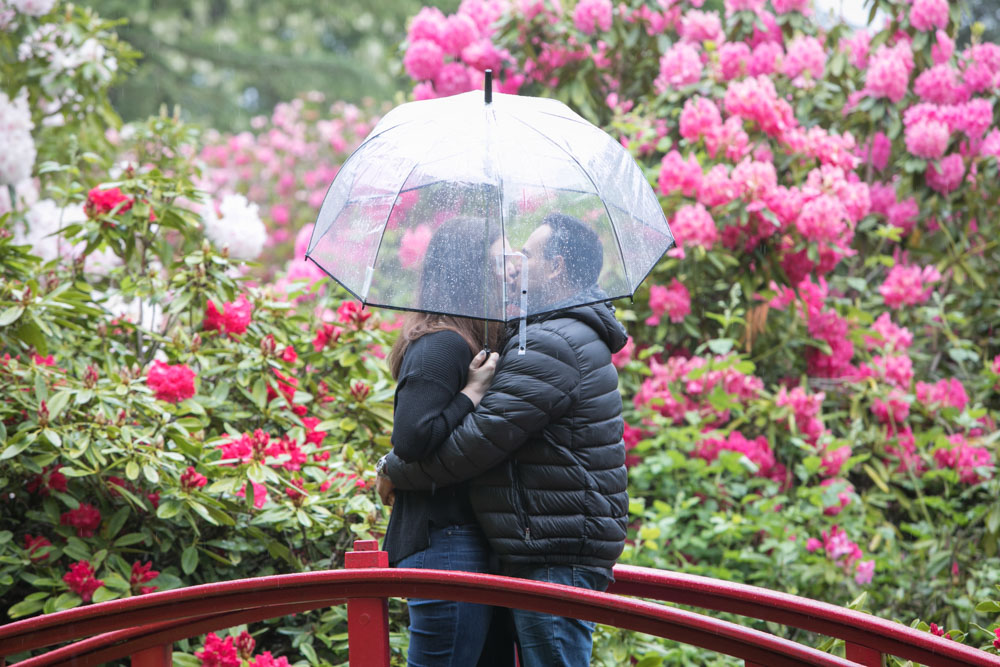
40	230
33	7
235	224
17	148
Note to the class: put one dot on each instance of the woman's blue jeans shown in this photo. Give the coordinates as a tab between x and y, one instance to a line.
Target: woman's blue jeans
444	633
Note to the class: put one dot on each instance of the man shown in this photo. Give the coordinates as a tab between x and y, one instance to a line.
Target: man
544	447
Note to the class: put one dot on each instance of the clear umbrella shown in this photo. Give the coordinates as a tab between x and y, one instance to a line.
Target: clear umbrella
433	209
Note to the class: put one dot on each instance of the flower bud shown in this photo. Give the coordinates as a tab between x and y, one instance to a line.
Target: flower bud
196	342
267	345
43	414
244	645
90	377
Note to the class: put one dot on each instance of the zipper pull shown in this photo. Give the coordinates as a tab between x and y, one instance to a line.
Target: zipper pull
527	533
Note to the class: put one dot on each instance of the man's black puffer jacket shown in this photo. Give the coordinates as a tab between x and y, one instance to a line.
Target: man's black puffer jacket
544	447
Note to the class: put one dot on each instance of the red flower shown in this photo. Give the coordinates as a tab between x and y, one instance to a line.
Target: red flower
996	642
244	645
359	390
234	318
81	581
171	383
218	653
191	479
86	519
43	361
33	544
142	573
286	385
101	202
350	313
265	659
154	498
289	354
325	335
49	480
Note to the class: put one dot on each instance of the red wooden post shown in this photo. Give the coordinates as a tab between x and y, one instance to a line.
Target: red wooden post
157	656
367	618
868	657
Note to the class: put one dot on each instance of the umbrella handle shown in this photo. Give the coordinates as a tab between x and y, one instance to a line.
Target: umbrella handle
488	85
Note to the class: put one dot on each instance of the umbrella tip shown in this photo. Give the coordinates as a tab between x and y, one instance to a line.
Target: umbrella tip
489	86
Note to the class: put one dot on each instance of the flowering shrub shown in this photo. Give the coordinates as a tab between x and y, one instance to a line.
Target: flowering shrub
811	392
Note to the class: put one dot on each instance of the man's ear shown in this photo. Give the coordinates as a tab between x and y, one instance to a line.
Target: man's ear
558	267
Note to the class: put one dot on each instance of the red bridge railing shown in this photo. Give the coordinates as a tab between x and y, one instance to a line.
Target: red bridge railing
145	627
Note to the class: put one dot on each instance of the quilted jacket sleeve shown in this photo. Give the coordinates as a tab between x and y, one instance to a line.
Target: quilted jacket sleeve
528	392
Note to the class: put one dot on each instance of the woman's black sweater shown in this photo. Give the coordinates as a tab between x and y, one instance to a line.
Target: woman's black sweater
427	408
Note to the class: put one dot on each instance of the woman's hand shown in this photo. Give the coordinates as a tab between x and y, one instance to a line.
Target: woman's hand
386	489
481	372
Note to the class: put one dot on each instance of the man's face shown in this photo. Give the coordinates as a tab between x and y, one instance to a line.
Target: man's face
544	274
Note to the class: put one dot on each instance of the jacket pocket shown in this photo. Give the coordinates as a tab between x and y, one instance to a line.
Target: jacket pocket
519	504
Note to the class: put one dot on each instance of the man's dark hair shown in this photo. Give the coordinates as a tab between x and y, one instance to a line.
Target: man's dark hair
579	246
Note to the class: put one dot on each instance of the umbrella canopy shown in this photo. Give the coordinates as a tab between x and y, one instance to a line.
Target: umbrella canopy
432	210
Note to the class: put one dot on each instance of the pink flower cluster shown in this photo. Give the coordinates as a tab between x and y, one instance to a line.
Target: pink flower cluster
943	393
758	451
673	300
232	321
592	15
805	409
447	55
908	285
683	385
844	552
171	383
973	464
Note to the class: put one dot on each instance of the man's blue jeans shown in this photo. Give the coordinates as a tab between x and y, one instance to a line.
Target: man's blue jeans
444	633
551	641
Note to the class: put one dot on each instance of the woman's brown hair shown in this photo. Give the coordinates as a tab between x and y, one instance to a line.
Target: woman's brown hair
452	256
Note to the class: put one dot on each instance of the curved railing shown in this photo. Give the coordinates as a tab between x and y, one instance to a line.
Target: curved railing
144	627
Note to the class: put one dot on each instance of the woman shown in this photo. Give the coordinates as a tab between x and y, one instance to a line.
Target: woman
442	370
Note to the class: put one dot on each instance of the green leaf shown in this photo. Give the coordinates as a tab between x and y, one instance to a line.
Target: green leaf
988	607
168	509
58	403
149	471
132	470
189	559
7	317
14	449
128	539
25	608
118	520
115	582
103	594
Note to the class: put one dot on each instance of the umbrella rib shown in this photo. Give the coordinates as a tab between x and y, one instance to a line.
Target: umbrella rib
385	223
503	230
611	221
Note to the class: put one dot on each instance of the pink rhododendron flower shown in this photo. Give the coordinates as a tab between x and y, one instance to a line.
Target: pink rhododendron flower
908	285
965	459
86	519
688	394
693	225
843	495
452	79
680	66
765	59
349	312
786	6
259	494
218	653
699	118
833	459
929	14
734	58
805	410
699	26
678	175
865	571
946	175
428	24
981	67
674	301
170	383
881	150
905	449
943	48
102	202
889	72
733	6
459	31
939	85
804	55
949	392
483	55
413	246
591	15
823	218
893	337
894	410
758	451
716	188
81	580
423	59
191	479
755	99
857	46
904	214
927	139
265	659
233	320
975	117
